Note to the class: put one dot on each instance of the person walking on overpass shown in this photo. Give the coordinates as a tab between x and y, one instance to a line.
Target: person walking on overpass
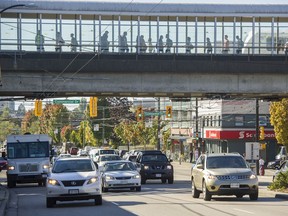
39	41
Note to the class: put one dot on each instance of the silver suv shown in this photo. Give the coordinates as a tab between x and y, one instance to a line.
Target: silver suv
223	174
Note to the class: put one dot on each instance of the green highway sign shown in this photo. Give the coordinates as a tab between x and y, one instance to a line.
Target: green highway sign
66	101
153	113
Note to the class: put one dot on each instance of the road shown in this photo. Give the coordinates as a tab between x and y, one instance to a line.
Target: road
154	199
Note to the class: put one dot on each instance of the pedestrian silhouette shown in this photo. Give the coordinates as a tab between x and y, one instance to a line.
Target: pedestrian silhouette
160	44
59	42
123	43
226	45
169	44
240	45
104	42
208	46
74	43
39	41
189	45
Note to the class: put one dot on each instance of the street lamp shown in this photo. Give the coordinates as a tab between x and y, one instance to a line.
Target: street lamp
17	5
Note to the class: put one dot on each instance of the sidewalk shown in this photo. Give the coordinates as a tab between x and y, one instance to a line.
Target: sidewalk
264	181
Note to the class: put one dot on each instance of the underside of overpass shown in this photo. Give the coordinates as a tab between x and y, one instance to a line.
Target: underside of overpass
50	74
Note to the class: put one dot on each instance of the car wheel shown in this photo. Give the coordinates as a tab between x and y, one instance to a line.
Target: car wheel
206	195
50	202
163	181
239	196
195	192
11	183
138	188
171	180
254	196
98	200
143	180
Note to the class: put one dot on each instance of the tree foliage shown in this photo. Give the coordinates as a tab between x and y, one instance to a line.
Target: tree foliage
7	125
279	119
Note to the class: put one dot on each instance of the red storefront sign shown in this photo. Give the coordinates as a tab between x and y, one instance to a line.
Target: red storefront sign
240	134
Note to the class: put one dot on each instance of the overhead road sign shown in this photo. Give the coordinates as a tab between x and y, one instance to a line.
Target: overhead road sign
66	101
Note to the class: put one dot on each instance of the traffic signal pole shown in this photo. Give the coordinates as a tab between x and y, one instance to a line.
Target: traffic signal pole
158	125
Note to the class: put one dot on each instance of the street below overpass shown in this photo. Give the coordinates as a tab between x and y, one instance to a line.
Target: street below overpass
154	199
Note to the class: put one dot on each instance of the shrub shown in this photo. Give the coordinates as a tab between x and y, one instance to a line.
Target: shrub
280	183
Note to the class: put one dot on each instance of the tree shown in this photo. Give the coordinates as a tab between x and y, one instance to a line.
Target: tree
8	125
279	119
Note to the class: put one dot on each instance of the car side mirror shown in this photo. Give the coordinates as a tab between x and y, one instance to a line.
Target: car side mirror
199	166
170	160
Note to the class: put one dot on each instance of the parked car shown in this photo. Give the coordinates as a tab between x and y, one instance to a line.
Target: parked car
120	174
74	178
154	165
3	163
223	174
274	164
281	169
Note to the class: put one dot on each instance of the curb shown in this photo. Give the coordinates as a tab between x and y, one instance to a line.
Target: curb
282	196
4	197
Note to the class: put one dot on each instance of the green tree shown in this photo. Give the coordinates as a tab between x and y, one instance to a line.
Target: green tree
8	125
279	119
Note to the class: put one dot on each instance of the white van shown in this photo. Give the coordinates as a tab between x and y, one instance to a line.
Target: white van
94	153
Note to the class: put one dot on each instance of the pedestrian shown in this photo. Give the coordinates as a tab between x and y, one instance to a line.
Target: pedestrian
104	42
59	42
191	156
123	43
208	46
160	45
261	166
39	41
169	44
240	45
143	46
286	48
150	47
226	45
74	43
189	45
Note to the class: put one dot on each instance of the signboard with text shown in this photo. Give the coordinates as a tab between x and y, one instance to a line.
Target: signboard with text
66	101
236	134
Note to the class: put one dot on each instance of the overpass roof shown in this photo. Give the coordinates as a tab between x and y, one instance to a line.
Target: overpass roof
153	7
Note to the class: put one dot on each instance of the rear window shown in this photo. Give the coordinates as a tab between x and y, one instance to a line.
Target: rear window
225	162
154	157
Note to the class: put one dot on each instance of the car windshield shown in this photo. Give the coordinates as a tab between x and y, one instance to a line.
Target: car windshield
108	151
121	166
154	157
225	162
63	166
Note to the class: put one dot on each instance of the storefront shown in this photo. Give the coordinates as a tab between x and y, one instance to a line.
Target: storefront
234	141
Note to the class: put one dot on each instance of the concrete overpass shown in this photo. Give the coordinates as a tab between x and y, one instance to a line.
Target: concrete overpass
50	74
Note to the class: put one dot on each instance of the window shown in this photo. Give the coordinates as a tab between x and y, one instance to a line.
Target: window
239	121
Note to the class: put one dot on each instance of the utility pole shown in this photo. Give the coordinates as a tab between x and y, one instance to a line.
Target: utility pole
197	121
158	125
103	127
257	131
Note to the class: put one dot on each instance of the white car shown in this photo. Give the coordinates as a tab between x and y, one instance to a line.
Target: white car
120	174
102	159
73	178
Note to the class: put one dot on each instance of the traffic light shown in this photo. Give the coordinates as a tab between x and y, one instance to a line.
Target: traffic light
168	111
197	135
93	106
139	113
38	108
262	133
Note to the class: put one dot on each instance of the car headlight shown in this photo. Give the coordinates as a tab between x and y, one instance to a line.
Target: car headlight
211	177
109	178
136	176
92	180
46	166
252	176
53	182
146	167
169	167
11	167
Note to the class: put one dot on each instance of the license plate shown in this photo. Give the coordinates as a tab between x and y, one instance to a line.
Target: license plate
44	175
234	185
74	191
158	175
124	182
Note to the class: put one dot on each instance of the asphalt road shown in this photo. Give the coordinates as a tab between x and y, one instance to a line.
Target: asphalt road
154	199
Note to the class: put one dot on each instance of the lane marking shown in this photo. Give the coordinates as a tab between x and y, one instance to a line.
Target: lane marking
241	210
115	203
